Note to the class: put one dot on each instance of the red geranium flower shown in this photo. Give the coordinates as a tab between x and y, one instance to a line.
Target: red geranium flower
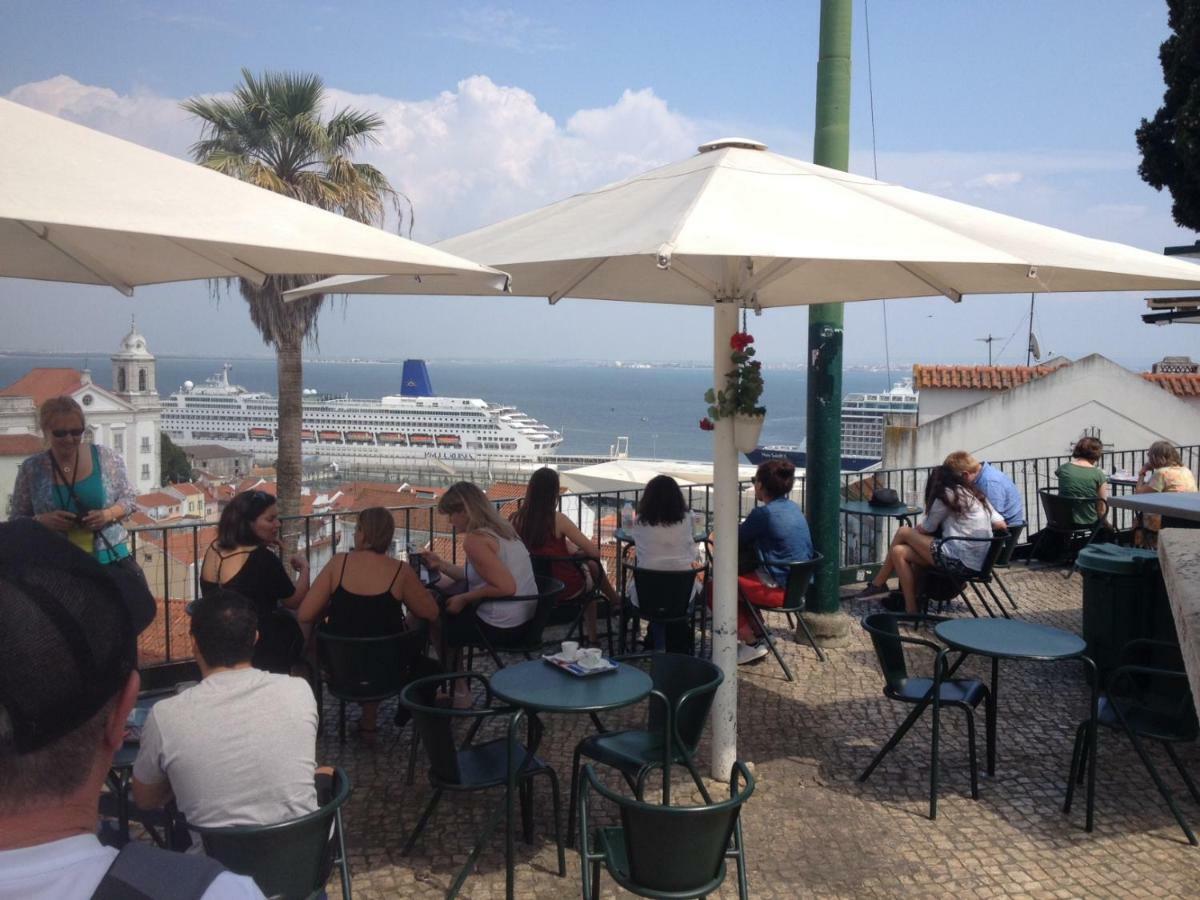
706	424
741	340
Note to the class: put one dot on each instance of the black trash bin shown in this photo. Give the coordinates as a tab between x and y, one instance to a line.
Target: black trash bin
1123	598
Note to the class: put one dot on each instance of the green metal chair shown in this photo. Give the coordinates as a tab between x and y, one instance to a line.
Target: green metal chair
292	860
1004	561
665	852
941	689
571	610
1145	701
941	585
800	575
1060	521
665	597
501	762
681	697
528	639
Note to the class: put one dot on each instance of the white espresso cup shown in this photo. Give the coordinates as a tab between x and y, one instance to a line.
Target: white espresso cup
590	657
570	650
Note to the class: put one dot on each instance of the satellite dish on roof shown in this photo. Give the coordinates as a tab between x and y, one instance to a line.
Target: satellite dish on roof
1035	349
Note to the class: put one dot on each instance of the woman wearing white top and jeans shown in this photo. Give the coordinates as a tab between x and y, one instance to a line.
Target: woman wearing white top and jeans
663	539
497	566
958	509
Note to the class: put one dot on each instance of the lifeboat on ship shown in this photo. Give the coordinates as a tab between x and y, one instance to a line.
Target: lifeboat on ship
449	440
330	437
391	437
261	434
359	437
307	434
421	440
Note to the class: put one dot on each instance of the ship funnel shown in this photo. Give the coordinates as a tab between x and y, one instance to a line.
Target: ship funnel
415	380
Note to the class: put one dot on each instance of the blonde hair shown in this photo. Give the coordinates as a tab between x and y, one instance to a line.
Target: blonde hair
1162	454
962	462
481	514
59	406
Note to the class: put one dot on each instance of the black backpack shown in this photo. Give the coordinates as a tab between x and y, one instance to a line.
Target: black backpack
143	872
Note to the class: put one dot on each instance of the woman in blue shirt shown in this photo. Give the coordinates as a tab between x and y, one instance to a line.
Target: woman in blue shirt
76	488
775	533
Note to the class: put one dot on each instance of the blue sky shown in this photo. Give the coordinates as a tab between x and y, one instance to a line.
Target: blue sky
1028	108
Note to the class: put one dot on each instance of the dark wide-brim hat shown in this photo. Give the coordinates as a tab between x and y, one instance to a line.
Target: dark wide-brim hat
69	627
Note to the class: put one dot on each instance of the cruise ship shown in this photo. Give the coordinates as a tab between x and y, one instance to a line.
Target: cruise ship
863	417
411	426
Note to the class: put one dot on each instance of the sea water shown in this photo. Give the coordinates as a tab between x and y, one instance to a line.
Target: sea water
658	408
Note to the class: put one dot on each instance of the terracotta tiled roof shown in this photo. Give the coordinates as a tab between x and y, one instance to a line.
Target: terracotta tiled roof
506	490
1180	385
977	378
157	498
254	483
179	541
186	489
43	383
19	444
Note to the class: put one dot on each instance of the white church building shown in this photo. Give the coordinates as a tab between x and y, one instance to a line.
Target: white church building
126	418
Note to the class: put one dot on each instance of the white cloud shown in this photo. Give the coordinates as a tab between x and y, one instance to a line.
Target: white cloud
997	180
500	27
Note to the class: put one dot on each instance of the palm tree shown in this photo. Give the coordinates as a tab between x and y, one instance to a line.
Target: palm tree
270	133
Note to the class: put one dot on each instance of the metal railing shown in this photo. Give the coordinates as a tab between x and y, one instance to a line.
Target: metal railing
172	554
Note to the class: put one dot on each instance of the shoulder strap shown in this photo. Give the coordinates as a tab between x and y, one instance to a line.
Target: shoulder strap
395	578
144	872
221	557
342	571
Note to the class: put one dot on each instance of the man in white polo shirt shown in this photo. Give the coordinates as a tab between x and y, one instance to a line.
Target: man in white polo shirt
67	684
238	748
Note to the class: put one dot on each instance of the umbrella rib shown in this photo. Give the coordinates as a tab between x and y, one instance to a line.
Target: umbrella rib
81	258
232	263
777	268
928	279
588	270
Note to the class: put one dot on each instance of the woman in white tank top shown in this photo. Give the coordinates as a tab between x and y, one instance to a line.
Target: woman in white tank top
497	566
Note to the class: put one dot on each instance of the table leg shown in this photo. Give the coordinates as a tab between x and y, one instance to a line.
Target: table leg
991	717
1093	716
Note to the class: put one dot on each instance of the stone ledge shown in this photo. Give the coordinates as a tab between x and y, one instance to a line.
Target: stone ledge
1179	553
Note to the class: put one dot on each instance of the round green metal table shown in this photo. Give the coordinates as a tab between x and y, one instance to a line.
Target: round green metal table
538	686
1017	639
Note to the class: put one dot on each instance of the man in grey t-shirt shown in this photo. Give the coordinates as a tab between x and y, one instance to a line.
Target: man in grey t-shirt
240	747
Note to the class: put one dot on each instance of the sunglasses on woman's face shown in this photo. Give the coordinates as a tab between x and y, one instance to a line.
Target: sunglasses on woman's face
64	432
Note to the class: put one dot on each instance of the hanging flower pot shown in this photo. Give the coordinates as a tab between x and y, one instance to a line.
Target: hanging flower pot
739	398
746	431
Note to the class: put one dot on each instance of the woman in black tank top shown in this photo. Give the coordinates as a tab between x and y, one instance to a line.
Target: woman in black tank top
240	560
365	593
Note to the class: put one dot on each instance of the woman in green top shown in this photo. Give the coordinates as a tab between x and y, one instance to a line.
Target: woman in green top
1083	477
77	489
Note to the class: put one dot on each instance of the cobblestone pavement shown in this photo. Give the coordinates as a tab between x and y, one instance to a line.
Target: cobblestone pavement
811	828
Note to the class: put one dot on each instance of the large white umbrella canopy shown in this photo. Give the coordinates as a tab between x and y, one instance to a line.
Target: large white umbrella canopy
81	206
736	226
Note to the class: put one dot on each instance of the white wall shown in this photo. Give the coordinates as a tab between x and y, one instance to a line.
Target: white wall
934	403
8	477
1045	417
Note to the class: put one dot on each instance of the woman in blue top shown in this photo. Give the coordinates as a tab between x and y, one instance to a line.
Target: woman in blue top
774	534
79	490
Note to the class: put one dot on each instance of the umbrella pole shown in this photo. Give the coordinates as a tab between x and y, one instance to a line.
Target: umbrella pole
726	506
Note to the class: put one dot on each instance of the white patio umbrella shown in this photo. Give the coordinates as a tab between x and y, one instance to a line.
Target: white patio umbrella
81	206
736	226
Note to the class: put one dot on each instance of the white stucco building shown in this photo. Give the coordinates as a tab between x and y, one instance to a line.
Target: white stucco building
1045	414
125	419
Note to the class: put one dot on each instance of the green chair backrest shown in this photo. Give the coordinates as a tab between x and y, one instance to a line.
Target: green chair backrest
800	576
291	859
679	849
370	668
664	595
674	674
889	649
